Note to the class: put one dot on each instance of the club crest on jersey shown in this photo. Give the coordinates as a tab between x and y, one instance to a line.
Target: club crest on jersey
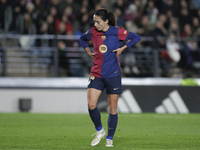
103	48
103	37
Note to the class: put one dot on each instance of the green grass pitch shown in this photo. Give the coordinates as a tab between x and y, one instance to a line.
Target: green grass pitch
146	131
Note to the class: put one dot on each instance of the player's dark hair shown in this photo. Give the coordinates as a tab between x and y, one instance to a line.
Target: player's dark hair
105	14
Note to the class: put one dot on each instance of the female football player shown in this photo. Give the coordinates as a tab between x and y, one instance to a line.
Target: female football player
105	72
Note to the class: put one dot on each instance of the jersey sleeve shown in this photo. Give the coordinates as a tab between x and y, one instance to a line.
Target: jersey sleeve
84	38
134	38
122	34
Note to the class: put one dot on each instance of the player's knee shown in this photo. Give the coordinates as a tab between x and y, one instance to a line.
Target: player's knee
91	105
112	109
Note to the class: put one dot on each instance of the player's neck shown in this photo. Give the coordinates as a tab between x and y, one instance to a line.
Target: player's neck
106	28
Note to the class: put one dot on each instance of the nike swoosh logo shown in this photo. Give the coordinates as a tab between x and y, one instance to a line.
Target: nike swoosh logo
116	88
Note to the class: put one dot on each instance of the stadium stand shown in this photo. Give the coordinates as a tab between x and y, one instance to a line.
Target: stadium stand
40	37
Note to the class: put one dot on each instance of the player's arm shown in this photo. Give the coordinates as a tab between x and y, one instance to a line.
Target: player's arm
87	49
131	37
83	40
120	50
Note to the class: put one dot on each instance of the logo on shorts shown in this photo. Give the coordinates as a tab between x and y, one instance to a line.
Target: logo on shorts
92	77
89	82
103	37
103	48
116	88
116	71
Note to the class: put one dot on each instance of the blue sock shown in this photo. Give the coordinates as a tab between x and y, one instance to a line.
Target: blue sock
112	125
96	118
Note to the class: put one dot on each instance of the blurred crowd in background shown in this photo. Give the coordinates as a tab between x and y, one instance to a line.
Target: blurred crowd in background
176	20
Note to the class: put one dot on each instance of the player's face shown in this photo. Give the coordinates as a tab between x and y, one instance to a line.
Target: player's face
100	24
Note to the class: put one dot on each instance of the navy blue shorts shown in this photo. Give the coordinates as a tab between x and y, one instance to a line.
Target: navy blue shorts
112	85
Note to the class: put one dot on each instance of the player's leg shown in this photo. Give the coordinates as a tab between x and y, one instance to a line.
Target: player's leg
112	119
113	88
93	96
95	88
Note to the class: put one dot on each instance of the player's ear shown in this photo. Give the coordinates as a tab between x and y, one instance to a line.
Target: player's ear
106	21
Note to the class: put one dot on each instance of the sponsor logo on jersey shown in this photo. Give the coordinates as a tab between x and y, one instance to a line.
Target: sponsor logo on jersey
103	37
103	48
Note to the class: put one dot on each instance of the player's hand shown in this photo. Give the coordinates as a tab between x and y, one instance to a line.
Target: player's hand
91	55
89	52
119	51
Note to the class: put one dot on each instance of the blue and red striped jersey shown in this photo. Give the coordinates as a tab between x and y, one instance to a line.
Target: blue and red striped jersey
105	61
